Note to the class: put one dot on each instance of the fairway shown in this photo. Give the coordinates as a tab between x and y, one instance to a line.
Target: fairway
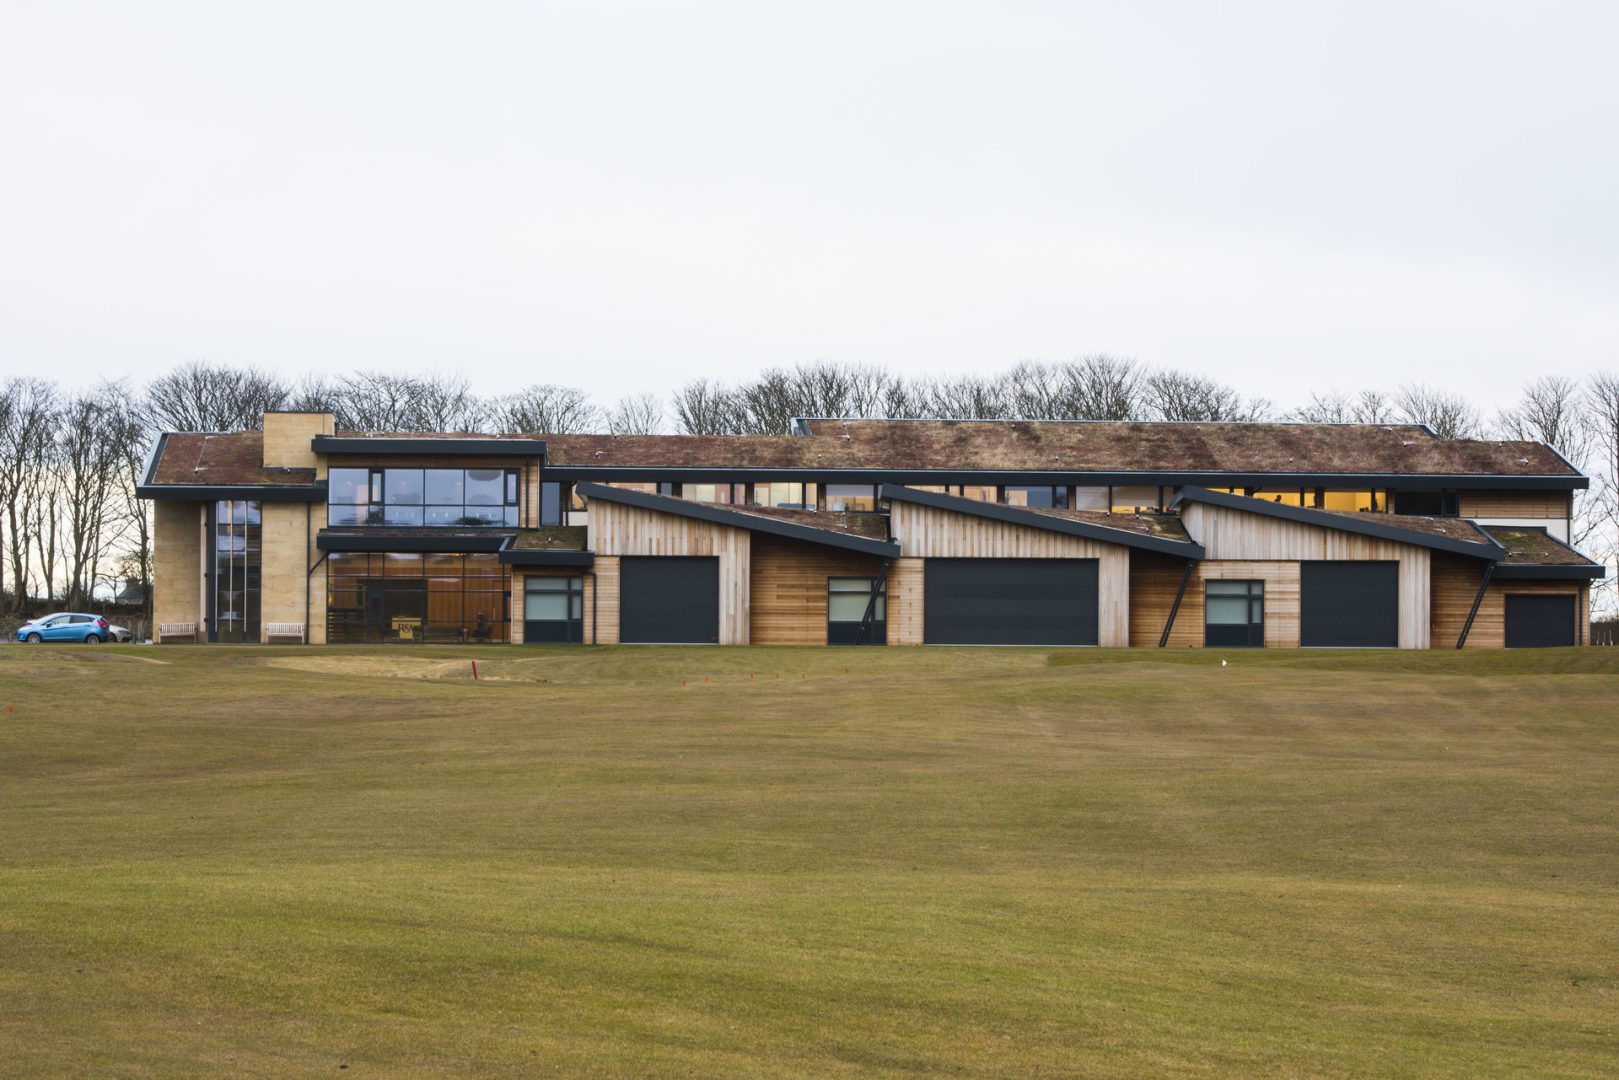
808	862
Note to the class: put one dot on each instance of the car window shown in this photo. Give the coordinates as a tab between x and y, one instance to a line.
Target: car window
77	619
55	620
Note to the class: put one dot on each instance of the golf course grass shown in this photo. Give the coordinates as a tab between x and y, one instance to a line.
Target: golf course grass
222	861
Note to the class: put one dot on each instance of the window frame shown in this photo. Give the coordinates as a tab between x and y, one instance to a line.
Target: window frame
1252	633
847	632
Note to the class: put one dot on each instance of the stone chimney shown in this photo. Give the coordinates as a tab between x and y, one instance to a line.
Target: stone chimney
287	437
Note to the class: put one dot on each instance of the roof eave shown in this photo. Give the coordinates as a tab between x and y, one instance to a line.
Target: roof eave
737	519
1186	549
1491	551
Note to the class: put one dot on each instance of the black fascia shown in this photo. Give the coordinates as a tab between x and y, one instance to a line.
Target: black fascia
1549	571
709	474
1013	515
517	448
459	543
543	556
738	519
1488	548
293	493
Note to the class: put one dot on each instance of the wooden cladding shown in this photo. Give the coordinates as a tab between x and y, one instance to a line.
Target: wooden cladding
905	602
1455	585
788	588
617	530
1515	504
1154	580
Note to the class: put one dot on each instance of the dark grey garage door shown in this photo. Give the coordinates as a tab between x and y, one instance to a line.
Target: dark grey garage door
668	600
1009	602
1349	605
1540	622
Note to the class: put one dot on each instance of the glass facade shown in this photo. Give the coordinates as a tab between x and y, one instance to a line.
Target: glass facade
238	571
553	609
414	598
410	497
1128	500
787	496
1047	498
851	497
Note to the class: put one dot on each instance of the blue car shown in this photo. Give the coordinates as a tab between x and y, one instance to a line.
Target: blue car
66	626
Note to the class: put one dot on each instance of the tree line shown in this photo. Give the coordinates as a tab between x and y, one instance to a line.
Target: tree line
69	461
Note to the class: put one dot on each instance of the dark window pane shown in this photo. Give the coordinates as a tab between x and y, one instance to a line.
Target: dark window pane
348	485
486	487
403	487
444	487
402	515
346	515
551	504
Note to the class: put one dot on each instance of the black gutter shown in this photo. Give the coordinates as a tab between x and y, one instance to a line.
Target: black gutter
456	544
1472	613
291	493
1550	571
1033	519
740	519
339	444
1175	608
810	473
1363	525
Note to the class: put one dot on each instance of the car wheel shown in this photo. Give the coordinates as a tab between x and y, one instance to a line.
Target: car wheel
34	639
92	639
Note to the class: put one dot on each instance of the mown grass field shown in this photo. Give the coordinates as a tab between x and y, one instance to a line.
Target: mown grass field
818	863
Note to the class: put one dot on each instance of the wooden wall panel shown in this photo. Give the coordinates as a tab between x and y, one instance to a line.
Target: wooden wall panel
619	530
606	600
905	602
788	590
927	533
1455	584
1514	504
1234	535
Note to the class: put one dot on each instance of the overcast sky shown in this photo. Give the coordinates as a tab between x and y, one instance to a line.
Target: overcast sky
1288	196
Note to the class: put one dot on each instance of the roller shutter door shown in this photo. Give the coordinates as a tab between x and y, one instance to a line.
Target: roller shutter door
1540	622
1009	602
669	600
1349	605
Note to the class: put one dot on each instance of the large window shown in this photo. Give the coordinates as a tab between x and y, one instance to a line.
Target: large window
848	600
238	570
852	497
1426	503
409	496
786	496
410	598
553	609
1234	614
1046	498
1129	500
709	493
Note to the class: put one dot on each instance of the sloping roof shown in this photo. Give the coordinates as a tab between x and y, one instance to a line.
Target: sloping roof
1149	532
1533	552
833	530
1074	446
870	525
1455	535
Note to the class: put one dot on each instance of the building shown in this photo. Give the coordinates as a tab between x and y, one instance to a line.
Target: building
870	532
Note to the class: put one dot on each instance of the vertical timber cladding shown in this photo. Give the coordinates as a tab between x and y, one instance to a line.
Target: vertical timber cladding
1234	535
1155	578
926	534
619	533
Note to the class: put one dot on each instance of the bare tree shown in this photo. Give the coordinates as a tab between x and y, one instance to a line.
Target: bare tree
637	414
130	432
1447	415
89	467
1103	387
1552	410
198	396
968	398
706	408
1602	415
547	409
1178	395
27	427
